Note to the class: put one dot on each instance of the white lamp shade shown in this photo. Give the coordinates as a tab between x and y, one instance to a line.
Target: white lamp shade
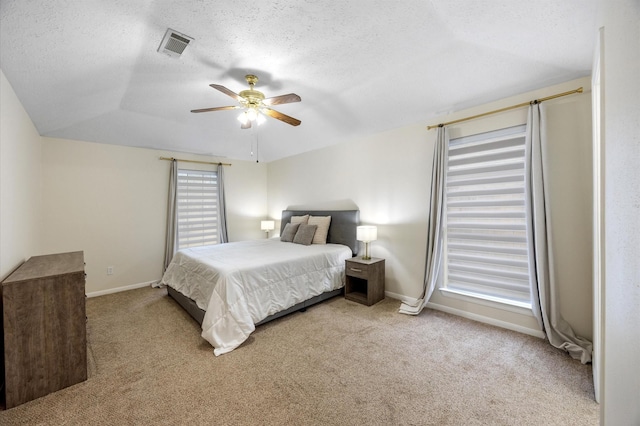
367	233
267	225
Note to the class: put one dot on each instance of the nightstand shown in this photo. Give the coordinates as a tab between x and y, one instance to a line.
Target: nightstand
364	281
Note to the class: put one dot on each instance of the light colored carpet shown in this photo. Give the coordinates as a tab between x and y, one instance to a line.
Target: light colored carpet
339	363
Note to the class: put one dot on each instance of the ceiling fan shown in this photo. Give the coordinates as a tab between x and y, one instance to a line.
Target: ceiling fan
255	104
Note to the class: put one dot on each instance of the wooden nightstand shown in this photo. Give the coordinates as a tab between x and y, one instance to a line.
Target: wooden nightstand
364	280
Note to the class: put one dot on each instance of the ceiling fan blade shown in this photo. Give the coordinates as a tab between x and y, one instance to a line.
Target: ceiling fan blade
282	99
282	117
227	92
215	109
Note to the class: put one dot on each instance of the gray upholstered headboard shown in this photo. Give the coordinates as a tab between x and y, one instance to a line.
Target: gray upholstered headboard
342	229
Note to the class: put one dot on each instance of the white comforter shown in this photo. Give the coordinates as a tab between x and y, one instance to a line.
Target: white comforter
239	284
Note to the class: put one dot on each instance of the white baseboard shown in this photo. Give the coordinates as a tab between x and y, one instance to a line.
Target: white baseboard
402	298
119	289
469	315
487	320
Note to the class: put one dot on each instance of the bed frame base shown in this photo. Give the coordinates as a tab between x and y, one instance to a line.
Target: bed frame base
198	314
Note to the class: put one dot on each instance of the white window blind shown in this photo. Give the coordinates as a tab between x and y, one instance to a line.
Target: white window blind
197	208
486	244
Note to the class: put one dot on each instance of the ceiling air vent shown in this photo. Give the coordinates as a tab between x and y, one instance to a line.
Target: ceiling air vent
173	43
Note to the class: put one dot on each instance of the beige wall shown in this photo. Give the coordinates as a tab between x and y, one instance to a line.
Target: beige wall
106	200
20	181
110	201
570	163
388	176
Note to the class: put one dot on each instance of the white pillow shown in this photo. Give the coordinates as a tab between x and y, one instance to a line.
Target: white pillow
300	219
322	222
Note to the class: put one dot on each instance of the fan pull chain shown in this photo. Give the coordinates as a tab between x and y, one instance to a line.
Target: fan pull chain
257	146
254	129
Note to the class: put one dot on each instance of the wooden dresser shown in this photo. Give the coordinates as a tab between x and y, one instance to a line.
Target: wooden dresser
44	327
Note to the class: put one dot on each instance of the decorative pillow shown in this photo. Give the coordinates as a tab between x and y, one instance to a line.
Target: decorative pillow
300	219
304	235
323	223
289	232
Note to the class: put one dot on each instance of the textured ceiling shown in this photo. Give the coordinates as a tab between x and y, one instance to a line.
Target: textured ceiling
89	69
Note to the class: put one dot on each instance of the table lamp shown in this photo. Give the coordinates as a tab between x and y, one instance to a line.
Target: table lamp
267	225
366	234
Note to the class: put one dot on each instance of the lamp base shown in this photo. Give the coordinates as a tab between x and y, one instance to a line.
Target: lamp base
366	255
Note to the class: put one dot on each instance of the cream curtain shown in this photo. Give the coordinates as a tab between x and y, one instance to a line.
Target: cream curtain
544	289
434	231
222	209
172	216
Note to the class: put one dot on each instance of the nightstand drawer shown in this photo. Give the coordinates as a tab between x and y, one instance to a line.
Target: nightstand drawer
359	270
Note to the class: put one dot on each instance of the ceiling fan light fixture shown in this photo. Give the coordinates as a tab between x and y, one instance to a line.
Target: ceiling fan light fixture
249	115
254	105
252	114
242	118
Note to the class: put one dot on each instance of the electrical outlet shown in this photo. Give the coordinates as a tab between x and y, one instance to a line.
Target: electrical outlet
109	270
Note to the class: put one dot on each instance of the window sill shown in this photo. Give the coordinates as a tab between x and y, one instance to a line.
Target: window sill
492	302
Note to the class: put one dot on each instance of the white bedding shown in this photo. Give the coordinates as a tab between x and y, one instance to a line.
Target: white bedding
239	284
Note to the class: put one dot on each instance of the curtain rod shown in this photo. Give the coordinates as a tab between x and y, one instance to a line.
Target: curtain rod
193	161
570	92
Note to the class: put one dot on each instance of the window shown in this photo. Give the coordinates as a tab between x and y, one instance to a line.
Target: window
486	252
197	208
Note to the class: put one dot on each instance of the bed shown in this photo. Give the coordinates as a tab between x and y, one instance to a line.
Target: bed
231	288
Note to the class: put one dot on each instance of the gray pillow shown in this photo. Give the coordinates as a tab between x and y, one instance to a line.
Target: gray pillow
289	232
305	234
